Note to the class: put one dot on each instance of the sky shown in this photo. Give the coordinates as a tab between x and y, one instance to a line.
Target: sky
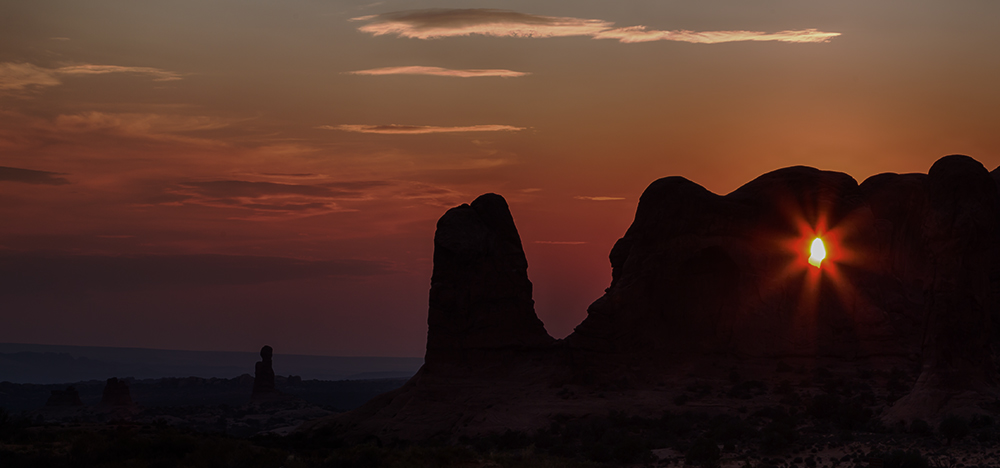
217	175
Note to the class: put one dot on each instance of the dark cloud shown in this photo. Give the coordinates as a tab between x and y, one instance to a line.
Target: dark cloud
36	273
28	176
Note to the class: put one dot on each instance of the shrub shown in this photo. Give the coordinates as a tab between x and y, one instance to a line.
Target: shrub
728	428
777	435
824	406
980	421
901	459
920	427
703	452
954	427
852	415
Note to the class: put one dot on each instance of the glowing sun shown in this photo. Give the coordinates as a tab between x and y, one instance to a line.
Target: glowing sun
817	252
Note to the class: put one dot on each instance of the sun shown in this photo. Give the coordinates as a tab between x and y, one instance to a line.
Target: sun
817	252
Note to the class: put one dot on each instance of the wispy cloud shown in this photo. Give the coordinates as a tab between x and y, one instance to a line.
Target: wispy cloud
156	73
419	129
560	242
269	200
435	23
579	197
28	176
438	23
42	273
18	76
163	127
641	34
25	131
22	76
137	124
438	71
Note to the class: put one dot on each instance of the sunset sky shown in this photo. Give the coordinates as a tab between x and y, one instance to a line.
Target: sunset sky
217	175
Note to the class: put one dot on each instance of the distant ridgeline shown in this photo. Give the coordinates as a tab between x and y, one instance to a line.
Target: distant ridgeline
49	364
708	291
138	398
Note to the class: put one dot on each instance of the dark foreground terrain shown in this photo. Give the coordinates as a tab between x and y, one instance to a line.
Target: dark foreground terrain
823	432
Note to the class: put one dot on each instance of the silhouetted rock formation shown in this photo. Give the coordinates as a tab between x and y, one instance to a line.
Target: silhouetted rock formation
960	234
116	393
480	295
263	380
68	397
912	278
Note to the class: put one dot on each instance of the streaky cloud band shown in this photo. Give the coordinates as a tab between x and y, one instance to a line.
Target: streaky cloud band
20	76
599	198
641	34
438	71
439	23
419	129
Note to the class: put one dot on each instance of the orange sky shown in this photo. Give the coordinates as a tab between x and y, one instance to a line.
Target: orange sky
220	175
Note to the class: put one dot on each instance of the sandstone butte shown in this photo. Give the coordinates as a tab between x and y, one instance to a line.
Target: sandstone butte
703	285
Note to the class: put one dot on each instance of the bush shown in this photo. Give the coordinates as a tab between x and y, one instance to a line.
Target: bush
10	426
704	452
852	416
824	406
920	427
632	450
901	459
980	421
729	428
777	435
954	427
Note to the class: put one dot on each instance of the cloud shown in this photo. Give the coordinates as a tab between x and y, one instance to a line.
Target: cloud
438	23
267	200
28	176
435	23
641	34
438	71
599	198
393	129
156	73
137	124
162	127
43	273
22	76
560	242
18	76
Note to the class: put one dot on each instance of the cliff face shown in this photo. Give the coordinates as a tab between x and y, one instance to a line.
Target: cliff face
912	278
480	296
909	274
701	273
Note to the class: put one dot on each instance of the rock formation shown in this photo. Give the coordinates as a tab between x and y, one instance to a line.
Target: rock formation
116	393
912	278
480	295
68	397
263	379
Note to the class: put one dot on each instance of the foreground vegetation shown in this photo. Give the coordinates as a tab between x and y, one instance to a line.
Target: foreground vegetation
771	437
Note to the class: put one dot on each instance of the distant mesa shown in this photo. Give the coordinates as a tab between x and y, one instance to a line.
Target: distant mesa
68	397
116	393
702	284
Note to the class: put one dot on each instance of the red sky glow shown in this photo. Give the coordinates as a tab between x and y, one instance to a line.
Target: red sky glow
221	175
